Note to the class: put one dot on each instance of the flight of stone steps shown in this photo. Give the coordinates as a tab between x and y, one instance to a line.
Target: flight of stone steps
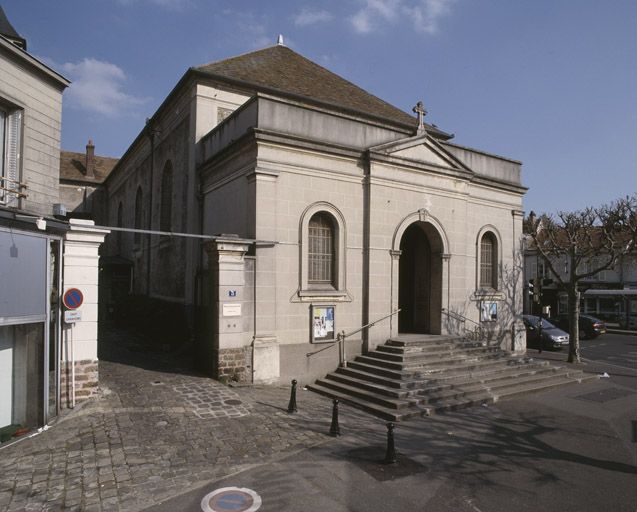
414	375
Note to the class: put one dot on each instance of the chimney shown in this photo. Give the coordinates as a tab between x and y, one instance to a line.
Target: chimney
90	159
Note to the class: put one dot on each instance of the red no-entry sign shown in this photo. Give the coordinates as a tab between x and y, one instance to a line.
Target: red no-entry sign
73	298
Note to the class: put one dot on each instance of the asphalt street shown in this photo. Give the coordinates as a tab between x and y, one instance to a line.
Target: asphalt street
570	449
160	437
616	349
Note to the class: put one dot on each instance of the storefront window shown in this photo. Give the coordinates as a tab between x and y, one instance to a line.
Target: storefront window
21	378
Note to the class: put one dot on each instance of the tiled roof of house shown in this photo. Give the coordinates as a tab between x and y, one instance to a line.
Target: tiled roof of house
280	70
73	167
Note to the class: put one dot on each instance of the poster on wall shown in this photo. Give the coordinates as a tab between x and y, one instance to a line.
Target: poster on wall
489	312
322	327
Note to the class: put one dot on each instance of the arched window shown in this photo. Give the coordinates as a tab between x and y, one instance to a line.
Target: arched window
165	217
321	251
138	215
120	224
488	261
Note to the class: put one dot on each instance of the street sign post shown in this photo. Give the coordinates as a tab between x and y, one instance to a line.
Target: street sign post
73	298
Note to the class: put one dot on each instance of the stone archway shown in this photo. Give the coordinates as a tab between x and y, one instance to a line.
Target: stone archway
420	279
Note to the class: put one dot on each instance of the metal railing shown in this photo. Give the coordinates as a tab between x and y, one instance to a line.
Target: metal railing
475	334
340	339
6	187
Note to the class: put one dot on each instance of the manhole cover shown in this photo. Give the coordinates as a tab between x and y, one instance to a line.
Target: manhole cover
231	499
605	395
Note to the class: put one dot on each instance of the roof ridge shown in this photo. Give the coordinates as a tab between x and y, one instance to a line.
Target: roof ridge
238	56
281	70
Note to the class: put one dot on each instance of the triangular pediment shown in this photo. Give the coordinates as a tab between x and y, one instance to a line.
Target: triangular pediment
422	149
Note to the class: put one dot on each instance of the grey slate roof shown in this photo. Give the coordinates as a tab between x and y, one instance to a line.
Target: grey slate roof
7	30
280	70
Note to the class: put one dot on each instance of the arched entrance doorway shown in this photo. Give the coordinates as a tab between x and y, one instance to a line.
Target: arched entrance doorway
420	279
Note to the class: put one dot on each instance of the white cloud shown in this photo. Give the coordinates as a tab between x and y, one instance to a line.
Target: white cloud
423	14
308	17
97	87
426	15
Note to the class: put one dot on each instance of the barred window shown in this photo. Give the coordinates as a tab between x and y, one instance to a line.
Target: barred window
321	250
488	262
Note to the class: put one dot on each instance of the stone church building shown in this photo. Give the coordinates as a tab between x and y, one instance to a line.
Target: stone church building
318	208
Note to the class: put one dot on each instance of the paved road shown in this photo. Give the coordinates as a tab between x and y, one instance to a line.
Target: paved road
568	450
611	348
159	432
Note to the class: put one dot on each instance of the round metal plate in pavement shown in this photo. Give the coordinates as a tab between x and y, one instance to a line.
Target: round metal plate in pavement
231	499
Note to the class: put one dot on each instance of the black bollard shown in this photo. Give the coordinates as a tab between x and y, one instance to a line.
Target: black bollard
390	455
292	404
334	428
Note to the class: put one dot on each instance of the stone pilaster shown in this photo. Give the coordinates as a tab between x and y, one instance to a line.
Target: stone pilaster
226	346
79	339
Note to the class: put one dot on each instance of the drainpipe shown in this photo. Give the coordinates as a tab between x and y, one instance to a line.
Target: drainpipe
151	133
366	160
254	310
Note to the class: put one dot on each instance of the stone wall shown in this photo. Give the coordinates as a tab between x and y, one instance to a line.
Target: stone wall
233	364
86	381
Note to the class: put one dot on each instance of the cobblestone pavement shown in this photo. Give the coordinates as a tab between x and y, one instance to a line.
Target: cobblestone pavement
152	433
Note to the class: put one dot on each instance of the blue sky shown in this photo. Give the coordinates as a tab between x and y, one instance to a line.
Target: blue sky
552	83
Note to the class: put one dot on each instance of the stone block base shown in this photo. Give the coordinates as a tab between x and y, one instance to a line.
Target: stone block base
233	364
86	381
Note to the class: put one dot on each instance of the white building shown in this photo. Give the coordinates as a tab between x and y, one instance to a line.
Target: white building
330	209
40	256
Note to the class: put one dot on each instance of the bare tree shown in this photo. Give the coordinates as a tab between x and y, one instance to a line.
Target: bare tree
587	242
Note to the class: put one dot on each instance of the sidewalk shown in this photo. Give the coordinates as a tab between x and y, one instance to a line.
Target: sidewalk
152	434
157	436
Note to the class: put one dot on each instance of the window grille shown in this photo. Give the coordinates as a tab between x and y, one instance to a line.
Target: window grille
321	255
488	262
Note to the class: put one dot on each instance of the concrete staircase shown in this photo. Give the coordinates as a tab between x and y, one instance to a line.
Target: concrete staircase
415	375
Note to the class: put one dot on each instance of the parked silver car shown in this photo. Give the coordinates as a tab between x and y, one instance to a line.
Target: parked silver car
552	337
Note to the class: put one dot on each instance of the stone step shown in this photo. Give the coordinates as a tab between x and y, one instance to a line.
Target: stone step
505	393
491	374
450	403
433	364
495	388
370	396
379	387
424	340
402	389
464	368
419	374
429	346
385	372
369	407
408	355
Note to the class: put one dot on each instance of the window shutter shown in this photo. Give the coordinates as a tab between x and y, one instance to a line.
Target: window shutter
12	173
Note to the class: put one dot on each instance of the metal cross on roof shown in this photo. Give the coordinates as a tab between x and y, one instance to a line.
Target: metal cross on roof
420	110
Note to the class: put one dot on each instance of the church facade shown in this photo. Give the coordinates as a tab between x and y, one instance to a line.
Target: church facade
317	209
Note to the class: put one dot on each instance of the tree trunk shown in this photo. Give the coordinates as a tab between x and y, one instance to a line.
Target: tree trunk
573	316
